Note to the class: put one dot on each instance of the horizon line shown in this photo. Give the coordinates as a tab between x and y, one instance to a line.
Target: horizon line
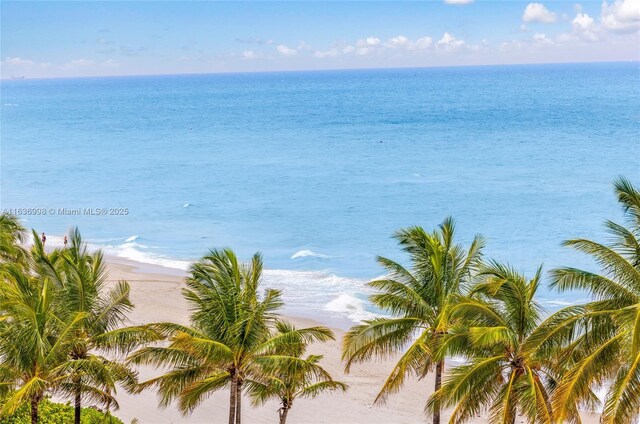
22	78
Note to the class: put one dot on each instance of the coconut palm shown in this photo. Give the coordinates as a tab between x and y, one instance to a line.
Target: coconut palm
419	302
502	375
33	341
287	375
231	326
11	237
82	277
602	338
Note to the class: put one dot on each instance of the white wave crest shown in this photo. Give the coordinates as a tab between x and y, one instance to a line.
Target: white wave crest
308	253
350	306
132	238
186	205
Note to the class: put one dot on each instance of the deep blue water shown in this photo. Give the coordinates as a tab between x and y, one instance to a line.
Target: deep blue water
327	162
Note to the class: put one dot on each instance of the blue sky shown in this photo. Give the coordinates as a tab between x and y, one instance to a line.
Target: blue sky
65	39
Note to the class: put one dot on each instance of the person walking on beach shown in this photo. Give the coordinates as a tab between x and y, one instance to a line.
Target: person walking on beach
44	239
65	242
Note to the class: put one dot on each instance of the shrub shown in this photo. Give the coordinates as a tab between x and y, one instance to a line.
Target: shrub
59	413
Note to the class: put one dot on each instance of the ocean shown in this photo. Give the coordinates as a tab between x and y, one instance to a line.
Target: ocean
316	170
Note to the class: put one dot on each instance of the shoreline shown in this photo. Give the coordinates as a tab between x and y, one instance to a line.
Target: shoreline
338	301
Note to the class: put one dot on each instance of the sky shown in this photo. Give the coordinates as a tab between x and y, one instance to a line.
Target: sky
52	39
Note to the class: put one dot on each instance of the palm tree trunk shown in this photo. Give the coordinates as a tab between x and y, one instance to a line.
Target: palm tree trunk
77	403
283	414
436	404
34	410
232	400
238	401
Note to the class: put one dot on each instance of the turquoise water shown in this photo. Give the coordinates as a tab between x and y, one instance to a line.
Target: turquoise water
317	169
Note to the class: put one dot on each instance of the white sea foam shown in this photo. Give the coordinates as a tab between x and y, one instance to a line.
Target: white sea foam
311	283
318	293
132	238
308	253
186	205
350	306
139	253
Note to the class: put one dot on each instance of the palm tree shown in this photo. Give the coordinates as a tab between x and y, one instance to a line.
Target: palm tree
602	338
11	236
82	277
33	340
502	374
419	302
288	376
231	326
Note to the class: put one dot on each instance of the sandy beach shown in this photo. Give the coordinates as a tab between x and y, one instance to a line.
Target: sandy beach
155	292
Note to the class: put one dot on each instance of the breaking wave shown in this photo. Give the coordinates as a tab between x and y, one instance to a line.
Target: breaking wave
308	253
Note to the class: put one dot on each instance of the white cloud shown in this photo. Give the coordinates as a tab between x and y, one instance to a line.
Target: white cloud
367	42
332	52
366	46
458	1
18	61
249	54
449	43
286	51
373	41
373	45
534	45
15	65
537	12
628	10
540	39
403	43
421	43
621	16
582	21
583	28
618	18
399	41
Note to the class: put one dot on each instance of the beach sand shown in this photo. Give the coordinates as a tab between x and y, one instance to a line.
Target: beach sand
156	294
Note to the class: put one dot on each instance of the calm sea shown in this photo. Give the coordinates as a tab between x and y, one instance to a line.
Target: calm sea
317	169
